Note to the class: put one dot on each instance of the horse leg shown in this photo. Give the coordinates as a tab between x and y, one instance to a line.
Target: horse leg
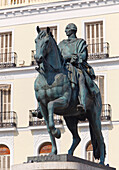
44	113
61	102
71	123
95	124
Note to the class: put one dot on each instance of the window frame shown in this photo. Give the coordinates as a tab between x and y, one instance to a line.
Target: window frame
105	86
7	31
11	84
84	22
12	32
51	25
5	157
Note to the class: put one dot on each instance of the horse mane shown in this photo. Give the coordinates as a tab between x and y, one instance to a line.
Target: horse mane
61	57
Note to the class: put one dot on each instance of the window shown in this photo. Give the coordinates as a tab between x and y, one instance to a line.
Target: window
95	38
45	148
53	29
89	153
5	47
4	157
100	82
94	32
5	101
17	1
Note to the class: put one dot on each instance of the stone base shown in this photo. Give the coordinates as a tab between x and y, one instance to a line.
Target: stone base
59	162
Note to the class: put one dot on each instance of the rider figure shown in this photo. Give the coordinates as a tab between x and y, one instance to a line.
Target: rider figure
74	50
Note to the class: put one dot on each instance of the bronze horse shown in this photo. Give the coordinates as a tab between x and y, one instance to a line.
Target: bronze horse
55	94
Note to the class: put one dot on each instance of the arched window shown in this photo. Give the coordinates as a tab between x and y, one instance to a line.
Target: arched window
45	148
89	153
4	157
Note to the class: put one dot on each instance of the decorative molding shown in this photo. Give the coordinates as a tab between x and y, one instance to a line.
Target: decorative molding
28	72
18	73
40	138
111	63
60	10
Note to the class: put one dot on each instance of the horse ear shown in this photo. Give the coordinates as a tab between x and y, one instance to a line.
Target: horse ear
38	29
48	30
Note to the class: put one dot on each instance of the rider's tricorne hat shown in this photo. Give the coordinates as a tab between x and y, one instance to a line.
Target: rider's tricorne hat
71	26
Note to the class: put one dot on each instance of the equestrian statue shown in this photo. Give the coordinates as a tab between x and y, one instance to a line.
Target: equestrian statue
65	86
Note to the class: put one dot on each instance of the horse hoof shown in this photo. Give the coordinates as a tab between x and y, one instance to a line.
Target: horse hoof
56	133
101	163
70	152
53	153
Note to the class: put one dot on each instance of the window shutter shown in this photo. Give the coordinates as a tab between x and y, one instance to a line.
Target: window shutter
5	47
5	95
94	37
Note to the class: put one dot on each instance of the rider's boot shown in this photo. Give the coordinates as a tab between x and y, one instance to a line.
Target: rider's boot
37	113
82	101
82	94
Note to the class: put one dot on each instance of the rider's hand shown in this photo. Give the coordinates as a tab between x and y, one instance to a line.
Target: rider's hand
74	59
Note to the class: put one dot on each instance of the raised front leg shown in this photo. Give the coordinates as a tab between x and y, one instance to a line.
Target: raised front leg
61	102
45	115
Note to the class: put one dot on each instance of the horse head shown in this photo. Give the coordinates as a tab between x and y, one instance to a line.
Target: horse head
46	49
43	45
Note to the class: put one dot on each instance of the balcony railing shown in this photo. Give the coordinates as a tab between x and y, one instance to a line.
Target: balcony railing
98	51
12	3
34	121
95	51
8	59
8	119
33	62
106	112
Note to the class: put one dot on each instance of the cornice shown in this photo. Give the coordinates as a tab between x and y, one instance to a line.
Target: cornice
54	7
110	63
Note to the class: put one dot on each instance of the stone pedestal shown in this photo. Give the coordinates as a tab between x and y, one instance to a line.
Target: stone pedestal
59	162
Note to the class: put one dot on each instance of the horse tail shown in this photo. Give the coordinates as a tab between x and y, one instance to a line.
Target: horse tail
96	150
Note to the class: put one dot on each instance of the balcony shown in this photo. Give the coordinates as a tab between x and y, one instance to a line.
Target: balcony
106	112
8	119
8	59
33	62
34	121
15	3
98	51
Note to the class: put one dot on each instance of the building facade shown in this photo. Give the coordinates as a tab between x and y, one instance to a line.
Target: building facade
22	135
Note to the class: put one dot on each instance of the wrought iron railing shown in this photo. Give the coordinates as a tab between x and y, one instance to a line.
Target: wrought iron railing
106	112
34	121
98	51
8	59
95	51
12	3
33	62
8	119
